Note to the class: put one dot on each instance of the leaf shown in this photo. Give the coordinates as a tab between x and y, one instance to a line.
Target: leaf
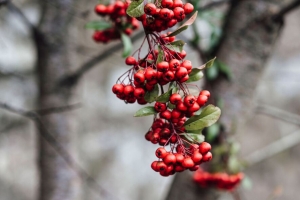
160	56
225	69
208	64
136	8
164	97
185	25
195	75
209	115
152	95
176	46
98	25
194	137
171	106
212	132
149	110
127	45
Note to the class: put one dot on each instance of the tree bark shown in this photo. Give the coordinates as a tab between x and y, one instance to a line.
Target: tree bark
249	37
57	180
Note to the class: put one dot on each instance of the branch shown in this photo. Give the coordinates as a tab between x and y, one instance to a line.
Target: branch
285	10
83	174
274	148
278	114
73	78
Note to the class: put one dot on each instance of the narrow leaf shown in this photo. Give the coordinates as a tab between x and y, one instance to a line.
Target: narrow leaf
164	97
209	115
195	75
149	110
208	64
160	56
152	95
176	46
136	8
185	25
127	45
98	25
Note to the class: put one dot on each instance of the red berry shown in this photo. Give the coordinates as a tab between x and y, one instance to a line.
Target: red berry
101	9
187	64
195	107
161	152
180	148
202	99
188	8
177	3
179	13
179	158
139	77
170	159
169	76
161	166
175	99
167	3
118	88
150	74
196	157
204	147
130	61
162	66
189	100
139	93
181	107
129	91
160	107
165	114
181	73
165	14
148	135
184	79
150	9
188	163
174	64
154	166
205	93
207	157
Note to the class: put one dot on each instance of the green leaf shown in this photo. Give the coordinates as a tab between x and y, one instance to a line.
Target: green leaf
152	95
209	115
185	25
136	8
164	97
98	25
212	132
194	137
160	56
171	106
195	75
127	45
149	110
208	64
176	46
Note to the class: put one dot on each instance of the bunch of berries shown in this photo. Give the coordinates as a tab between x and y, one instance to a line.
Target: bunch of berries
221	181
159	17
121	22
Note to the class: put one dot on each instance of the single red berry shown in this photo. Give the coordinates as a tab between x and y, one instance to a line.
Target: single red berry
196	157
154	166
180	148
204	147
160	107
148	135
162	66
129	91
179	158
195	107
168	76
165	132
174	64
161	152
181	73
167	3
170	159
177	3
139	77
170	24
181	107
187	64
188	8
109	9
194	147
175	99
207	157
150	74
150	9
179	13
202	99
184	79
170	169
189	100
119	5
205	93
161	166
139	93
100	9
176	114
173	139
181	55
118	89
179	168
165	114
165	14
155	138
188	163
131	99
130	61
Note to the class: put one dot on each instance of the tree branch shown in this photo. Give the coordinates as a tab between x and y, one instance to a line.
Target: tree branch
82	173
285	10
73	78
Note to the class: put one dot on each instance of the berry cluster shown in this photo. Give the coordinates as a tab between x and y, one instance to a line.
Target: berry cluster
121	22
221	181
166	15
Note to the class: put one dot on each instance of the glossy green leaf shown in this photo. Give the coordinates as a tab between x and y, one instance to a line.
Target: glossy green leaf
176	46
98	25
149	110
185	25
171	106
152	95
209	115
195	75
127	45
208	64
136	8
164	97
194	137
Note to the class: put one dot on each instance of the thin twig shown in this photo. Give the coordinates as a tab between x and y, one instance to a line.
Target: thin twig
73	78
82	173
278	114
285	10
274	148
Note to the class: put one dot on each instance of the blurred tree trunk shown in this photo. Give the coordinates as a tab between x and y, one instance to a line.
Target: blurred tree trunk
57	180
249	38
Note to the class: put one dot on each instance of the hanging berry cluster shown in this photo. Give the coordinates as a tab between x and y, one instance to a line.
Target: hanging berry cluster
177	121
118	21
219	180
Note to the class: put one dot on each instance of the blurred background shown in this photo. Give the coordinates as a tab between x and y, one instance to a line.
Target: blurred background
109	142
